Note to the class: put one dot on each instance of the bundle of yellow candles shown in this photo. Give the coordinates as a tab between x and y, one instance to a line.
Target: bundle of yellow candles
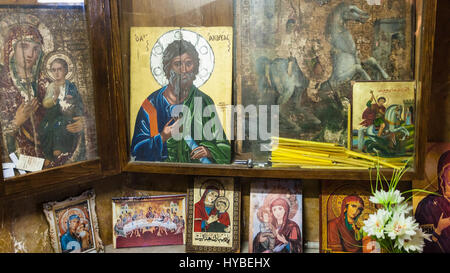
287	152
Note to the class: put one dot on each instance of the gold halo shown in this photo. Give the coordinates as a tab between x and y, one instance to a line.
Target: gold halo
49	58
223	199
212	182
204	49
65	217
279	190
25	19
434	152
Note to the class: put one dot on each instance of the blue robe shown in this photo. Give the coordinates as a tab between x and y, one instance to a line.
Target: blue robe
68	243
155	112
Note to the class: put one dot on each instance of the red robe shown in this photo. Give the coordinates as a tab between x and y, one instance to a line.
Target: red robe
370	114
224	218
200	215
340	238
292	234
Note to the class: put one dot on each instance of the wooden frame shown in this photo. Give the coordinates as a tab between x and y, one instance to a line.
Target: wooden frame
196	196
360	189
97	13
112	98
331	196
51	210
424	49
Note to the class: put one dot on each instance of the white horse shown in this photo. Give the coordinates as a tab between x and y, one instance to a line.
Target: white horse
346	63
393	118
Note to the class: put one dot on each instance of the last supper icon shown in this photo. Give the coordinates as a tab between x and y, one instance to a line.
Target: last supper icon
180	87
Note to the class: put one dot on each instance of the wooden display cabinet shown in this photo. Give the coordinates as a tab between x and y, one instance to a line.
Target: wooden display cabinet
109	23
126	14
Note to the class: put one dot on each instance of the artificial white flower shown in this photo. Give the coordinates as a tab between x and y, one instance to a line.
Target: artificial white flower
394	227
401	228
386	197
402	208
374	225
417	241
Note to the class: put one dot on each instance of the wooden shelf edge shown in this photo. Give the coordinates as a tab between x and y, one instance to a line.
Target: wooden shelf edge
240	171
51	177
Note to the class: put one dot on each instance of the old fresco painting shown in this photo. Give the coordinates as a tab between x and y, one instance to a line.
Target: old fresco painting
47	98
344	206
276	217
432	211
180	81
213	217
383	118
302	55
149	221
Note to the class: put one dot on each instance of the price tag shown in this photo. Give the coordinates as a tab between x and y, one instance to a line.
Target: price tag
30	163
8	173
8	165
374	2
15	160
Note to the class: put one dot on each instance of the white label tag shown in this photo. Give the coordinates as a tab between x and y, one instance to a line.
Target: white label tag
374	2
15	160
30	163
8	165
8	173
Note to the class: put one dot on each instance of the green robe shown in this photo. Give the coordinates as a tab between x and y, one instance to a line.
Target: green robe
220	149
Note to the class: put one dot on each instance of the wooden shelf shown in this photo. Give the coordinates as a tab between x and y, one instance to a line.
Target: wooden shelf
180	249
122	19
32	182
241	171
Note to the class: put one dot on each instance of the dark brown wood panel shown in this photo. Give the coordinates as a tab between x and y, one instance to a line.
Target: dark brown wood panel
61	175
233	170
439	103
120	90
105	98
428	21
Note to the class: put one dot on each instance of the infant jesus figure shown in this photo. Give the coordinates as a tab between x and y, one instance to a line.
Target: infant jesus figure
63	106
267	231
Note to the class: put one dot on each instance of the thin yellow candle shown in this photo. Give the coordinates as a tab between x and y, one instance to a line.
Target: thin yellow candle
336	167
298	158
350	161
326	149
301	151
312	143
375	159
349	128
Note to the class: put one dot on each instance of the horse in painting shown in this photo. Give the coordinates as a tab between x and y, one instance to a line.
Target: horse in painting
346	63
393	128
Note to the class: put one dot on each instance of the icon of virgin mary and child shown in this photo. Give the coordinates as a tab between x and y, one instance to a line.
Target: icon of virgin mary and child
210	213
39	118
278	233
